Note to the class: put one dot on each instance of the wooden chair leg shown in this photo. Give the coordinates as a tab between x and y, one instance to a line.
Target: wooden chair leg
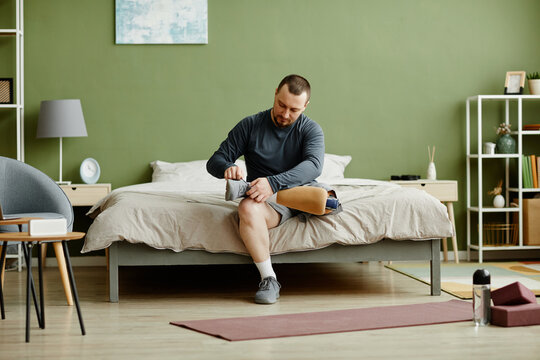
2	268
59	252
44	254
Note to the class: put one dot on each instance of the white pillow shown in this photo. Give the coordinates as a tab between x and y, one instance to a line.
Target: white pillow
334	167
189	172
195	171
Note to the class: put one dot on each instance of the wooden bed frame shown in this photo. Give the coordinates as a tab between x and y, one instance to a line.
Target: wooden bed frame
127	254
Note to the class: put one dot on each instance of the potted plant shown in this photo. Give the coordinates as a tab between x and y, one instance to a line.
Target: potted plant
506	143
534	83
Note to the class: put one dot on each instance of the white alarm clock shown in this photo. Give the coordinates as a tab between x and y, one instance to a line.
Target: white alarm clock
90	171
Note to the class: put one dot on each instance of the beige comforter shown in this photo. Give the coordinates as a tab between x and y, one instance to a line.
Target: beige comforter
167	216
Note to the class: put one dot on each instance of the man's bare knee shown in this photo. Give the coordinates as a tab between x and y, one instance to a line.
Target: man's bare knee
251	211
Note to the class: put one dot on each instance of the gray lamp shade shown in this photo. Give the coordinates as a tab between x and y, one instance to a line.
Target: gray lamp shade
61	118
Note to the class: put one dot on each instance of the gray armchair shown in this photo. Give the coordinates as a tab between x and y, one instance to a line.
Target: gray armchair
27	192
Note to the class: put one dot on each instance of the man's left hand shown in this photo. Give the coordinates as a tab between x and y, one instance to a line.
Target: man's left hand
260	190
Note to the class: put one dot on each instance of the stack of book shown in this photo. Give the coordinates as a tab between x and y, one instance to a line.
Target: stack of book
531	127
530	166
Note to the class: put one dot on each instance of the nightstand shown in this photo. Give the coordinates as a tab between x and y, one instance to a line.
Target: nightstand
86	194
445	191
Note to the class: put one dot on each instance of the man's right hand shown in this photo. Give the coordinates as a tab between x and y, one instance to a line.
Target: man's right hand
234	173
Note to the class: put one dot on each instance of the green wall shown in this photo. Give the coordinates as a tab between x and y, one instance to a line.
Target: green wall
389	78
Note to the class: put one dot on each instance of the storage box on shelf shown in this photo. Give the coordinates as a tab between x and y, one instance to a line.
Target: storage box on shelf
513	229
531	223
500	234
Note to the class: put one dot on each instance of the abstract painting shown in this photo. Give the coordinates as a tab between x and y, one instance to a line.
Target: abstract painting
162	21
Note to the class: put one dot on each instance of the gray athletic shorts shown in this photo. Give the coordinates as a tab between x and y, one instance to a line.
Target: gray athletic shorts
285	212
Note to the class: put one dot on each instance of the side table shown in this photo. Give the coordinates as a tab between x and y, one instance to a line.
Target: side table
28	242
446	191
59	252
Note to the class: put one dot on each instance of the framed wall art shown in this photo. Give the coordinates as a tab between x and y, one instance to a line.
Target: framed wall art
162	21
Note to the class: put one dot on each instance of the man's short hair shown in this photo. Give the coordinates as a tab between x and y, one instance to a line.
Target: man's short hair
297	85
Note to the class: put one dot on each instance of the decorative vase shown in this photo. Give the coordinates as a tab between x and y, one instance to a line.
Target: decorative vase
431	171
498	201
534	86
506	144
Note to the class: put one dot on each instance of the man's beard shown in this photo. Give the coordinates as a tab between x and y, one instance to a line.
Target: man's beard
282	124
278	123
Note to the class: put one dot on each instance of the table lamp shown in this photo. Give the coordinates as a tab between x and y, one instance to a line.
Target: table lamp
60	119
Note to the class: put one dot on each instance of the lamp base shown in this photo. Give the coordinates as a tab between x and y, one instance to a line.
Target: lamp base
63	182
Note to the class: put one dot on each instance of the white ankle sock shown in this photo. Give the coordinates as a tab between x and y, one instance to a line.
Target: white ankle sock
265	268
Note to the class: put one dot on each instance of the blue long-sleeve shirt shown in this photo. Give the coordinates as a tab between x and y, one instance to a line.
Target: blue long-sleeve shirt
287	157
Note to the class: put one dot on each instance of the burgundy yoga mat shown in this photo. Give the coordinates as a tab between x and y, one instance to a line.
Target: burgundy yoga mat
325	322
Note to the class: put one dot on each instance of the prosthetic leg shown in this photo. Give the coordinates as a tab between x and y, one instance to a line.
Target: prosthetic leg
309	199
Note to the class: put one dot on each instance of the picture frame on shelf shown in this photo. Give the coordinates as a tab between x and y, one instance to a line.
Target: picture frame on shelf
515	83
6	91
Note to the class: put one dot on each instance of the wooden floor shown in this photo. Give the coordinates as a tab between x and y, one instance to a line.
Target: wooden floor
138	327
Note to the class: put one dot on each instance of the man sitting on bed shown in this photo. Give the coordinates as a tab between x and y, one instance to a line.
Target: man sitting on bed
283	148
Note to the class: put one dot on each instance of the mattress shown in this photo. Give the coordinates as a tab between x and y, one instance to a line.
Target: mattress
168	215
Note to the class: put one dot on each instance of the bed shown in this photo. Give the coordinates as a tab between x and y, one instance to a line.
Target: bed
181	218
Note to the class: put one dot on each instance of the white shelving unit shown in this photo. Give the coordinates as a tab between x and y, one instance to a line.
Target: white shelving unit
478	157
18	103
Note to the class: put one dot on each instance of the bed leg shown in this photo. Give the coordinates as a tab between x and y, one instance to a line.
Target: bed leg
113	273
435	267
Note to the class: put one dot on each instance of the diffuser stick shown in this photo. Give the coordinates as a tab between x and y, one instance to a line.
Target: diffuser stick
431	154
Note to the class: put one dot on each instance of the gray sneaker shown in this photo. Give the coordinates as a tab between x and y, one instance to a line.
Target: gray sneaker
236	189
268	291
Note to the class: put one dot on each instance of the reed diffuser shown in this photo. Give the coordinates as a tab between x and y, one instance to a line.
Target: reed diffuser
431	171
